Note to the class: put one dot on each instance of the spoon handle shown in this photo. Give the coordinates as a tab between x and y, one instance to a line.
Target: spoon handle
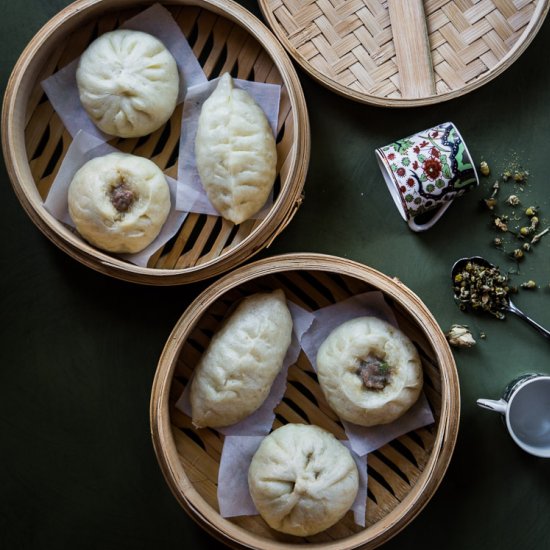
513	309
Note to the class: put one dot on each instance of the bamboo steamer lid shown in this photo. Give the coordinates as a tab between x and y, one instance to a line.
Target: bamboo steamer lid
403	475
396	53
224	37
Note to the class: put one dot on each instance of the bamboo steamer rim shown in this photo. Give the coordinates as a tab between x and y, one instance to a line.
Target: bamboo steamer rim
447	429
14	111
512	55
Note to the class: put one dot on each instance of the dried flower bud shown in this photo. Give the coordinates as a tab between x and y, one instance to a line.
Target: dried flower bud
518	254
500	224
506	175
490	203
530	211
497	241
526	247
529	284
460	337
534	222
513	200
524	231
520	176
484	168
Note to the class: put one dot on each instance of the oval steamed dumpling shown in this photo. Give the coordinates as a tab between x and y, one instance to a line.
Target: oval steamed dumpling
369	371
235	373
302	479
119	202
128	83
235	152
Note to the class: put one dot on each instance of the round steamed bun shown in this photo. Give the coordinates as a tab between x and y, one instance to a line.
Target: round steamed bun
369	371
128	83
119	202
302	480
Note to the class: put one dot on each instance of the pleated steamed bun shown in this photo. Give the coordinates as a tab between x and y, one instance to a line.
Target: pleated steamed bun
302	480
128	83
235	373
235	152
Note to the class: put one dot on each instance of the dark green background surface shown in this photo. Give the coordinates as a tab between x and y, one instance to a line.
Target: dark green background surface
79	350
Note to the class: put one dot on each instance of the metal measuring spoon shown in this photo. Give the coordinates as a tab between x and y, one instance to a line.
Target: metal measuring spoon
505	304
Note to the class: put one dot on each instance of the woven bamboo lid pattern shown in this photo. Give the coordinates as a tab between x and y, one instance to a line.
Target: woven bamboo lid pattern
364	49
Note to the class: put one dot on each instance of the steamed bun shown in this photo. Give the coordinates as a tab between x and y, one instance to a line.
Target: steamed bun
119	202
235	373
302	480
128	83
369	371
235	152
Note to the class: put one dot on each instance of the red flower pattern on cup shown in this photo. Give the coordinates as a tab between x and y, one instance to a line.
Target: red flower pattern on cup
435	152
410	182
432	168
391	156
401	171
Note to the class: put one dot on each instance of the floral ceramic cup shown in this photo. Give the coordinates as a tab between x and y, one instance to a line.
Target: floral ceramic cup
426	172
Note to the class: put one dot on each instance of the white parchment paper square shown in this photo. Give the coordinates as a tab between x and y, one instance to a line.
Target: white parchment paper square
233	494
267	96
260	421
84	148
364	440
62	90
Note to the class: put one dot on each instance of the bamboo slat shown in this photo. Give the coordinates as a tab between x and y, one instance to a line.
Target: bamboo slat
225	37
412	48
403	474
380	51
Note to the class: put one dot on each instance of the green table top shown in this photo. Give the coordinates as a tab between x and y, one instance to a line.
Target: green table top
79	349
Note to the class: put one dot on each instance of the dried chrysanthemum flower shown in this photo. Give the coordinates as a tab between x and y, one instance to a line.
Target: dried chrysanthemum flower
500	224
484	168
529	284
460	336
490	203
520	176
513	200
518	254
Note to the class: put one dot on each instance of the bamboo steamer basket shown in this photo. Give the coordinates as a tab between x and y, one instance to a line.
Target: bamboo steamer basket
396	53
403	475
224	37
